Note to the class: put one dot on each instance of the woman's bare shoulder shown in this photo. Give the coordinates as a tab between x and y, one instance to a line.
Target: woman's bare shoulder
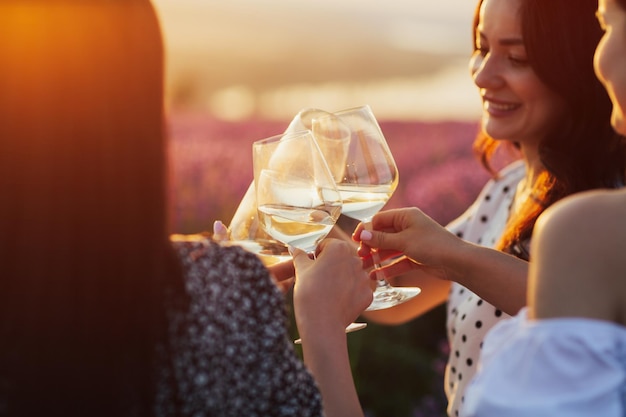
578	256
588	212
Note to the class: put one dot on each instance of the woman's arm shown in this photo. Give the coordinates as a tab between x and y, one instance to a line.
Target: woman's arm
432	250
330	292
326	355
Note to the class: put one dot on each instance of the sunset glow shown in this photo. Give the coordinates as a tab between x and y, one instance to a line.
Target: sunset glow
270	58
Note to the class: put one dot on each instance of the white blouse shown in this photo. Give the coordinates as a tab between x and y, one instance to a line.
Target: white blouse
555	367
470	317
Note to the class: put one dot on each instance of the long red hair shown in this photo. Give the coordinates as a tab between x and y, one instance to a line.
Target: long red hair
582	151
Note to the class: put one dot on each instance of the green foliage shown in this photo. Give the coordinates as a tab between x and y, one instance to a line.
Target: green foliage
398	370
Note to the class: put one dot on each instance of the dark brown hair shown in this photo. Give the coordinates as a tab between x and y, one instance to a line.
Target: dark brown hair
582	151
85	255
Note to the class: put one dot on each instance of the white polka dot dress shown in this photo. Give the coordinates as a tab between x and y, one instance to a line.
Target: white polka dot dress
470	317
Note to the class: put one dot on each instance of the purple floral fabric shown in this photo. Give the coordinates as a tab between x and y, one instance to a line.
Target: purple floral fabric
230	354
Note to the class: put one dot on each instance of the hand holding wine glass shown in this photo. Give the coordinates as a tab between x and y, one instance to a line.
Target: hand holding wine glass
368	180
297	198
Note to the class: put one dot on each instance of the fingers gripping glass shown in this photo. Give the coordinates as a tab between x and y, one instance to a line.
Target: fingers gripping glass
366	176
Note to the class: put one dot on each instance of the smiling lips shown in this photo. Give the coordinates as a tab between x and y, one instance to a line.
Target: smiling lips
499	108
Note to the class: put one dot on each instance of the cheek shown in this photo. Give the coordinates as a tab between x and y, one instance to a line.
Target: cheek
599	60
546	108
616	75
610	67
610	61
596	59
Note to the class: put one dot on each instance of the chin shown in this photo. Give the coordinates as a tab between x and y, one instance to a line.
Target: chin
617	121
496	132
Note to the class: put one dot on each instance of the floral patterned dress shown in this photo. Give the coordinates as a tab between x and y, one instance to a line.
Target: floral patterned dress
230	354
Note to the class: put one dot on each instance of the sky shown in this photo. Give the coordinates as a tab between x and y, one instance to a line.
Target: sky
407	59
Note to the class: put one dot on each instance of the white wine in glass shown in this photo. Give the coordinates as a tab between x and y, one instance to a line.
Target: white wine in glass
244	229
369	178
297	198
293	211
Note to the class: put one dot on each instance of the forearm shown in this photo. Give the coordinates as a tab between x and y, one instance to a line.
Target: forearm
326	356
498	278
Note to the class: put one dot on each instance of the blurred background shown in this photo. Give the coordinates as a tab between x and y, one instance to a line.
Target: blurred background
269	58
240	70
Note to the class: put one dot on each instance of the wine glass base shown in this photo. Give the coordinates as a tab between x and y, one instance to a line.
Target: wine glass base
389	297
352	327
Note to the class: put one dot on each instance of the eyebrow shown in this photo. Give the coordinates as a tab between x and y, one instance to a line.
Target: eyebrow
510	41
505	41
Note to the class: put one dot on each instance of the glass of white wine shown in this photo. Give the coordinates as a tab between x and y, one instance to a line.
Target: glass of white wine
244	229
367	181
297	199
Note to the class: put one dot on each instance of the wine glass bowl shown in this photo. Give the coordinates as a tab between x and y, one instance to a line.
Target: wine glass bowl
244	228
297	200
294	211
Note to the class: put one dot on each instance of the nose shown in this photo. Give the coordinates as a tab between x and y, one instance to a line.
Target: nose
486	71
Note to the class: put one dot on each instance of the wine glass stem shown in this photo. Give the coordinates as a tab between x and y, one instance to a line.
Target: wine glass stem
381	281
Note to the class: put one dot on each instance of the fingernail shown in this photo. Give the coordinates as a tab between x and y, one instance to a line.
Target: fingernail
291	249
220	232
366	235
219	228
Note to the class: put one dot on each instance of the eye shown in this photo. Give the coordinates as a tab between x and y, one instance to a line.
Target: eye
518	62
481	49
481	46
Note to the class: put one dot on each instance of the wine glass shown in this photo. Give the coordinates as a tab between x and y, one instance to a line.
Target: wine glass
246	232
244	229
368	180
297	198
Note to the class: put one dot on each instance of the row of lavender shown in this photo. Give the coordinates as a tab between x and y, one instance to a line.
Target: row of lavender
211	166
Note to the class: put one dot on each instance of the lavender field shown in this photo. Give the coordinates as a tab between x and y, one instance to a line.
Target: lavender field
211	165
